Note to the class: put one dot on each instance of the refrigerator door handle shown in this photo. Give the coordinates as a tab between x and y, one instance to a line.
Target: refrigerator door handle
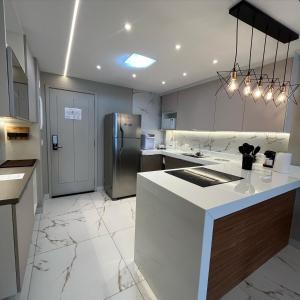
122	139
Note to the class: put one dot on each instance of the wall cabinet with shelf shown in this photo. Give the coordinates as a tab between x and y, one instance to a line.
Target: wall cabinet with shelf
19	98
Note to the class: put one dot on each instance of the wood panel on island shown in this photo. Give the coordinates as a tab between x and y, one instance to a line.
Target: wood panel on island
245	240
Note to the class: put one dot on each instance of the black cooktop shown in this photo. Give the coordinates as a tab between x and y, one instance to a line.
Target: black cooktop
203	177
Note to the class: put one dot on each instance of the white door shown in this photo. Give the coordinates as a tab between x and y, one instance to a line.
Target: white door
72	142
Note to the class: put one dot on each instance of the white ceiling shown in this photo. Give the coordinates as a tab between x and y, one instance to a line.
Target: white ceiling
203	28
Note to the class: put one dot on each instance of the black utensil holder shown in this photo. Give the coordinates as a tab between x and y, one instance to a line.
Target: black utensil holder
247	162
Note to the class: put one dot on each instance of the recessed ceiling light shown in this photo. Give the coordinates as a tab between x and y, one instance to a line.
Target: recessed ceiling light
74	18
215	61
184	74
98	67
134	75
163	82
139	61
177	46
127	26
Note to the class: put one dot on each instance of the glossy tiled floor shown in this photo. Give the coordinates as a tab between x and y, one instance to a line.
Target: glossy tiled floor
83	248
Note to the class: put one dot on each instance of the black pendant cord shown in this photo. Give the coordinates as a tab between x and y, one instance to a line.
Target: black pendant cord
274	66
263	59
250	54
286	60
236	41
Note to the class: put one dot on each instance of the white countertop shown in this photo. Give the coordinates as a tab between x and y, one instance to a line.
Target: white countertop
220	200
210	157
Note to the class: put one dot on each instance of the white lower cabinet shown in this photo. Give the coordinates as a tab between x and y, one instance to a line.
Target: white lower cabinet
16	226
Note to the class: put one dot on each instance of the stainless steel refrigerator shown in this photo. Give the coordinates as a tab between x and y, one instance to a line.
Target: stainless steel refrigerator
122	142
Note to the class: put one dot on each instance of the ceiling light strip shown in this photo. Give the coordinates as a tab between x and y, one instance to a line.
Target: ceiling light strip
75	13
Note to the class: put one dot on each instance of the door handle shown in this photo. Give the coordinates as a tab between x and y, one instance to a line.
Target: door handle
55	145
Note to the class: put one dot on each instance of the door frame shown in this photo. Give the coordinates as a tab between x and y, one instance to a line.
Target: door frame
47	109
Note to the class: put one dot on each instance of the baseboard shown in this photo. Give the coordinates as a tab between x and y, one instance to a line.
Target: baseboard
295	243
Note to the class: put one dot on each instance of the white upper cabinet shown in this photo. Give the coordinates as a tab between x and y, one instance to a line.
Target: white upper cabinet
229	112
31	74
14	33
262	117
196	108
169	103
4	98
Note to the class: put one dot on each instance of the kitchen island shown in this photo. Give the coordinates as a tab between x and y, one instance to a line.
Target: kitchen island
197	242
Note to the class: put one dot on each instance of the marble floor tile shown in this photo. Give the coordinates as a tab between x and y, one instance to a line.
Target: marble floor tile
132	293
83	248
118	216
57	231
278	278
146	291
124	240
92	270
236	294
62	205
33	243
101	199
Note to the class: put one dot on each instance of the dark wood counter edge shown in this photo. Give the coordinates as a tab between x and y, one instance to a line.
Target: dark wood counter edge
12	201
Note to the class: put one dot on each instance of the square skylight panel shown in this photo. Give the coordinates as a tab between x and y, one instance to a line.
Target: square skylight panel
139	61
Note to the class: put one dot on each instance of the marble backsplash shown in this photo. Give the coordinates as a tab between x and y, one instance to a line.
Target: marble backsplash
148	105
225	141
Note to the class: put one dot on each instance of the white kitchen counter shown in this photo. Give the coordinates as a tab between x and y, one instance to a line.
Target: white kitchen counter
220	200
175	220
210	157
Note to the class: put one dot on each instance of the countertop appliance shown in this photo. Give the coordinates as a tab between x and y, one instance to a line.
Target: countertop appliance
203	177
270	158
148	141
122	143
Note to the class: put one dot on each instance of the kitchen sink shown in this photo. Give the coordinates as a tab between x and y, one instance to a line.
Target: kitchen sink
193	155
203	177
7	177
221	159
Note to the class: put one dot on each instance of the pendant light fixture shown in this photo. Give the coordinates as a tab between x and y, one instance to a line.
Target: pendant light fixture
247	89
233	84
269	89
282	97
258	92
